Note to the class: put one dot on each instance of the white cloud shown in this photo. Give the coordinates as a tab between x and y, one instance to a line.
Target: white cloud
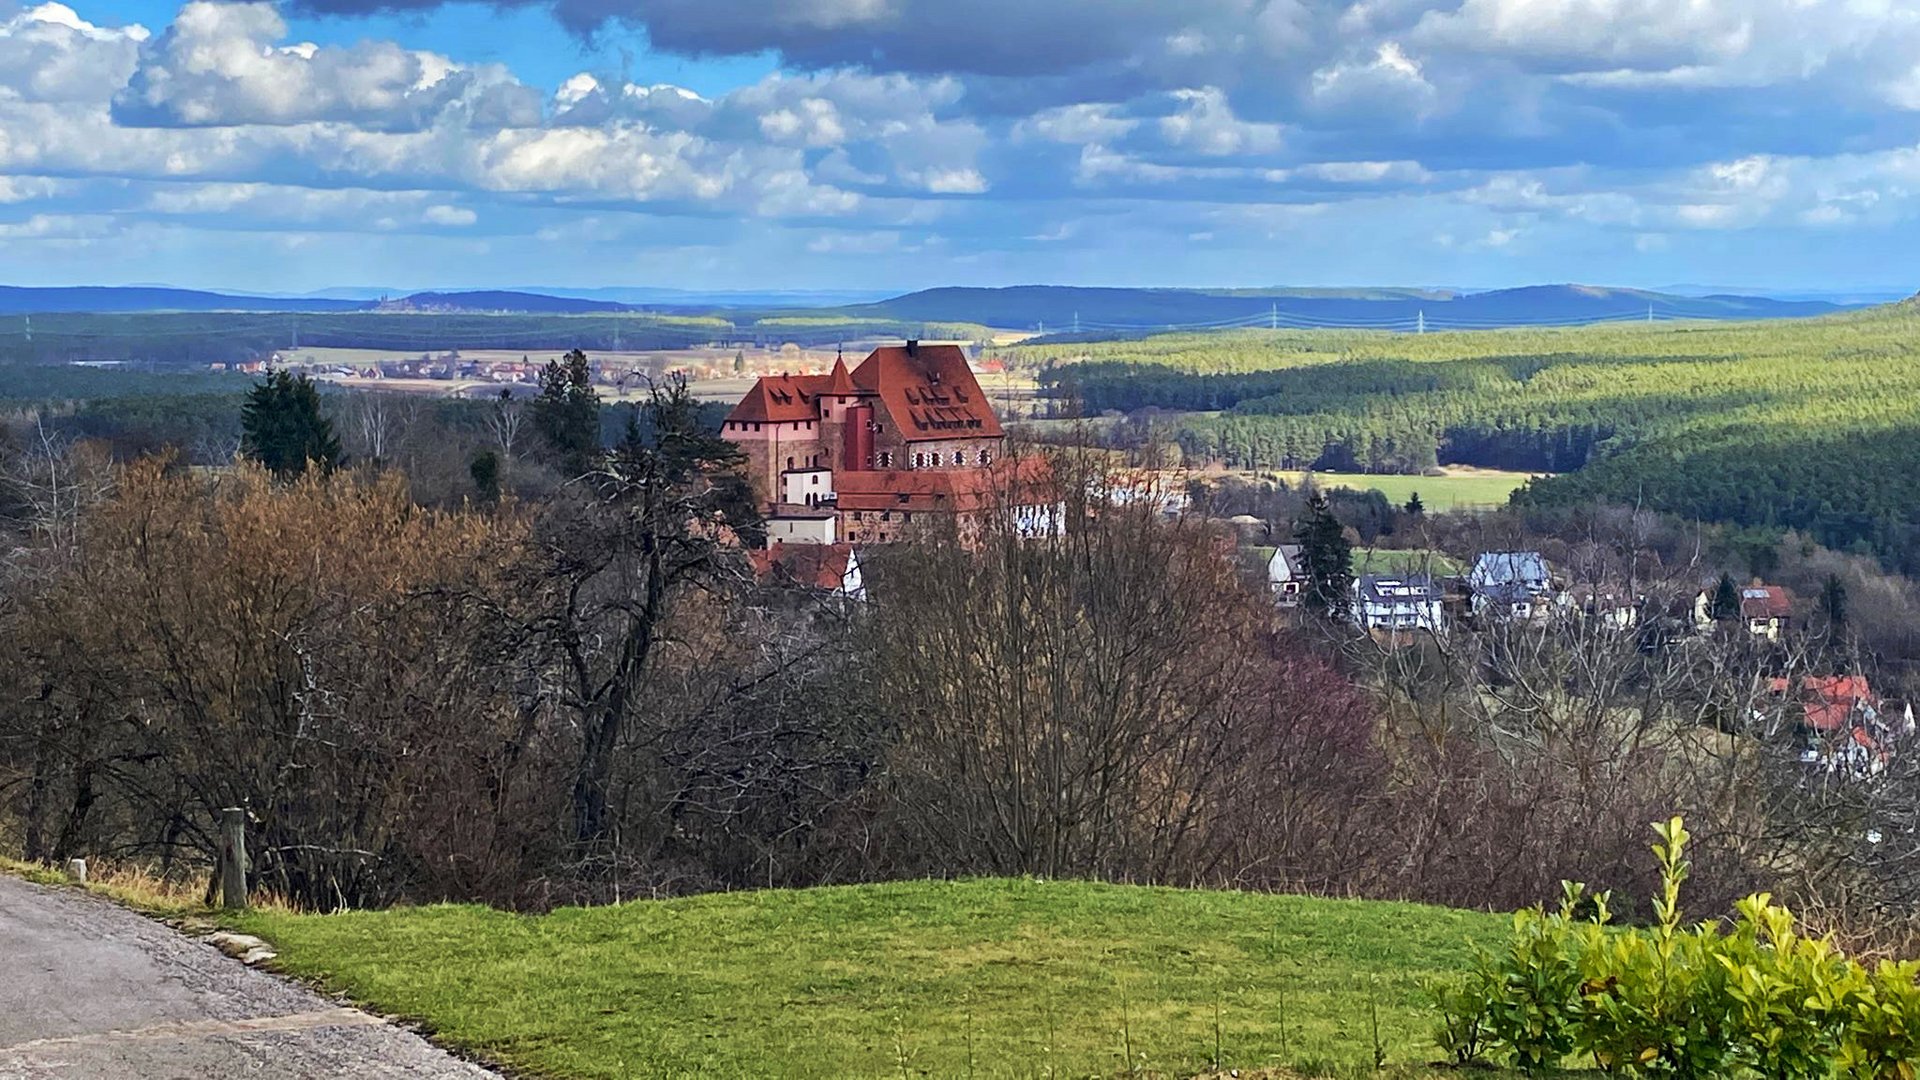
1087	122
449	215
1389	82
219	64
1206	124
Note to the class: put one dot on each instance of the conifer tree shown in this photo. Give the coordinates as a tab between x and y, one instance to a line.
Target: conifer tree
1327	558
282	428
1726	599
567	413
1833	601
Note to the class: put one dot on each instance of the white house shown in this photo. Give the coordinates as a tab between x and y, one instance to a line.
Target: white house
793	525
1510	585
1524	568
1287	574
1413	602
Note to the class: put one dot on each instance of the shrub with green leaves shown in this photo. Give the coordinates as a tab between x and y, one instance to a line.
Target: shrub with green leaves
1756	998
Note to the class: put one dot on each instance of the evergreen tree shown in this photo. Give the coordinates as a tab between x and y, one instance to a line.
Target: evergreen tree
1726	599
1833	601
567	412
1414	506
1327	556
281	426
485	470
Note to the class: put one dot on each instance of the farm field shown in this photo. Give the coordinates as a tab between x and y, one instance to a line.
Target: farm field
1459	489
984	978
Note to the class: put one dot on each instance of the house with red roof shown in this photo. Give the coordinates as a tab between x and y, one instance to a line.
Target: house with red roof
827	569
1844	725
906	434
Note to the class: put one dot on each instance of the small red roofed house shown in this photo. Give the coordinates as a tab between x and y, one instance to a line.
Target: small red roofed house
829	569
1844	724
907	433
1766	610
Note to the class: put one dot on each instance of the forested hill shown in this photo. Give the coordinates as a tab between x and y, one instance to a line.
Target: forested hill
1811	425
1062	308
105	299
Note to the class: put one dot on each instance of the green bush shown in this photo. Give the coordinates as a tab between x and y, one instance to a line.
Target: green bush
1756	998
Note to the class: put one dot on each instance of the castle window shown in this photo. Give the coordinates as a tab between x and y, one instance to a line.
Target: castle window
986	457
959	457
886	459
918	460
789	462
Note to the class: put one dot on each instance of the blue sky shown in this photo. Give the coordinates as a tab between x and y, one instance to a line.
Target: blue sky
896	144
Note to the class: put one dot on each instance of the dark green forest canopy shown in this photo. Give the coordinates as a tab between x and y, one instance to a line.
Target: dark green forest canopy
1810	424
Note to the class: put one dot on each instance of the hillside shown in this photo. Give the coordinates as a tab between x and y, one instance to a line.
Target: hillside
1061	308
1812	424
1025	978
497	300
16	300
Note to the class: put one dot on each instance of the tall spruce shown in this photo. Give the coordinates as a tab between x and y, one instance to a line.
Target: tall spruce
567	413
1327	558
282	428
1833	601
1726	599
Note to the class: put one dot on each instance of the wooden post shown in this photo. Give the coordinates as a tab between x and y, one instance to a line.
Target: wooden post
233	858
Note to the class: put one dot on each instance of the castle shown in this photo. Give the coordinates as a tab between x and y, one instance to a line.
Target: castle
854	456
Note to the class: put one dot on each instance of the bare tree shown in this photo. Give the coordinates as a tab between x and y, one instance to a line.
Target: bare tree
504	421
373	425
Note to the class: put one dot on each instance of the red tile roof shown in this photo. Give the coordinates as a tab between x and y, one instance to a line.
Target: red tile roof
817	566
839	382
1025	482
928	391
780	399
1831	701
1765	602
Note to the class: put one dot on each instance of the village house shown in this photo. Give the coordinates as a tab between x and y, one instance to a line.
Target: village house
1613	609
1287	574
1842	725
1766	611
1510	585
861	455
1392	603
830	570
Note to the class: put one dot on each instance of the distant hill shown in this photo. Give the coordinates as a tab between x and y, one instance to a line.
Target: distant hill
500	300
1061	308
107	299
1097	312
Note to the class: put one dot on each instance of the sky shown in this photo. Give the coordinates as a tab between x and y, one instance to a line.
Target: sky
899	144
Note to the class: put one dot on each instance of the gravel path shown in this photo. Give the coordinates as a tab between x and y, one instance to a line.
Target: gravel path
90	990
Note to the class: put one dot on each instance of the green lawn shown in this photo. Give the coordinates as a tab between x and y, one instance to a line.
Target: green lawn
1463	491
1405	561
1022	978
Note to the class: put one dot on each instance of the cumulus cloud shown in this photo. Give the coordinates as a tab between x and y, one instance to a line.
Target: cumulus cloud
222	65
50	53
1206	124
915	125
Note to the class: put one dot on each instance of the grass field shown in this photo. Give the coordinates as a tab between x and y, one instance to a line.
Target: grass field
997	978
1455	491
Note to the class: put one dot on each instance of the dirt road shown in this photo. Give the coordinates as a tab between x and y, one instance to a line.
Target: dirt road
90	990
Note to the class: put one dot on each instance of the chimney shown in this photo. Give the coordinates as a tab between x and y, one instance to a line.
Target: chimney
913	346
